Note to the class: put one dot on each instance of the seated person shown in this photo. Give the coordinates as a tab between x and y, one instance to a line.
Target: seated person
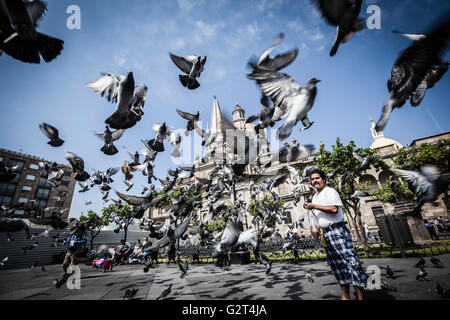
137	250
142	256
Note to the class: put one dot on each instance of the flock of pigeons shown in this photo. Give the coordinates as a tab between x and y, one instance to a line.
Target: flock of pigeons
417	69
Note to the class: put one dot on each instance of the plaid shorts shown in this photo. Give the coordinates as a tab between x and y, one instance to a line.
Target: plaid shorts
343	259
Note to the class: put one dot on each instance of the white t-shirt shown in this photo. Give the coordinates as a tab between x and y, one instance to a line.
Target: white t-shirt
328	197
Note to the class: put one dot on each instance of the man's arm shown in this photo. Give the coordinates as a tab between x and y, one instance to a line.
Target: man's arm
326	209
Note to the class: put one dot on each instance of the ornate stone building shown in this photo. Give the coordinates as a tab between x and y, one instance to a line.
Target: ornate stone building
370	207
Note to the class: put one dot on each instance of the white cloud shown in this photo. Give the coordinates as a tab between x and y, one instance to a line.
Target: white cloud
187	5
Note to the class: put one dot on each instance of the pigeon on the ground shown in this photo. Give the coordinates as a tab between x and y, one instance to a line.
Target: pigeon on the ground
421	274
165	293
421	263
130	293
192	66
444	293
412	68
18	35
389	273
309	277
436	262
344	15
51	133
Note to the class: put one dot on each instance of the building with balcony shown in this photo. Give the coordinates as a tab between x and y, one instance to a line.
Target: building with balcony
29	190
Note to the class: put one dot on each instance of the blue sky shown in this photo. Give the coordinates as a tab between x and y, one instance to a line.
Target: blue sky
119	36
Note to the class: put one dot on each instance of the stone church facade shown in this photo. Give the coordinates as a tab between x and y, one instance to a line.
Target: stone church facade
370	207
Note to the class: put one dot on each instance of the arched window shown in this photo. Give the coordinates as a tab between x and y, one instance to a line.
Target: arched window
370	180
384	177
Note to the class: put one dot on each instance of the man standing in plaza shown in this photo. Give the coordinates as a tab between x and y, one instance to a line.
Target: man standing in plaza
341	255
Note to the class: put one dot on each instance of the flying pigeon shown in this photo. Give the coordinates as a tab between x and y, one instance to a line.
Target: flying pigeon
7	173
344	15
412	68
109	137
191	118
293	101
77	164
365	162
427	184
192	66
18	35
51	133
278	62
120	89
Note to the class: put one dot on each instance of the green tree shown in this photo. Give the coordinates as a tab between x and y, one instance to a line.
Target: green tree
123	217
93	223
215	225
341	157
268	203
437	154
386	195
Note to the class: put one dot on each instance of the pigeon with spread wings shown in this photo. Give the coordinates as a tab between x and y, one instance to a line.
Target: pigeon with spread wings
415	65
18	35
121	90
192	66
51	133
344	14
293	101
109	137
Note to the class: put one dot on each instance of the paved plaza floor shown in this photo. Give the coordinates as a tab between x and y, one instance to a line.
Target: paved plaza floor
287	281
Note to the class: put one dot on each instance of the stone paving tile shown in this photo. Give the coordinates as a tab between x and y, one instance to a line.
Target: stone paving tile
286	281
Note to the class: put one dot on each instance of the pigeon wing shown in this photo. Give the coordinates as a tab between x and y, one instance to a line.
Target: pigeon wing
332	10
418	182
186	115
133	200
117	134
181	63
265	55
108	84
280	87
50	131
36	10
282	60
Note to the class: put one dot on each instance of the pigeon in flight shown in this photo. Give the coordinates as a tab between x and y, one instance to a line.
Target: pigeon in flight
191	118
290	154
7	173
344	15
412	68
192	66
434	74
293	101
344	179
365	162
51	133
163	131
427	184
109	137
18	35
278	62
121	90
84	187
3	262
77	164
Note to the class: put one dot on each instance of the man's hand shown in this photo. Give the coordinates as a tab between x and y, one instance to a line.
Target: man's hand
310	206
